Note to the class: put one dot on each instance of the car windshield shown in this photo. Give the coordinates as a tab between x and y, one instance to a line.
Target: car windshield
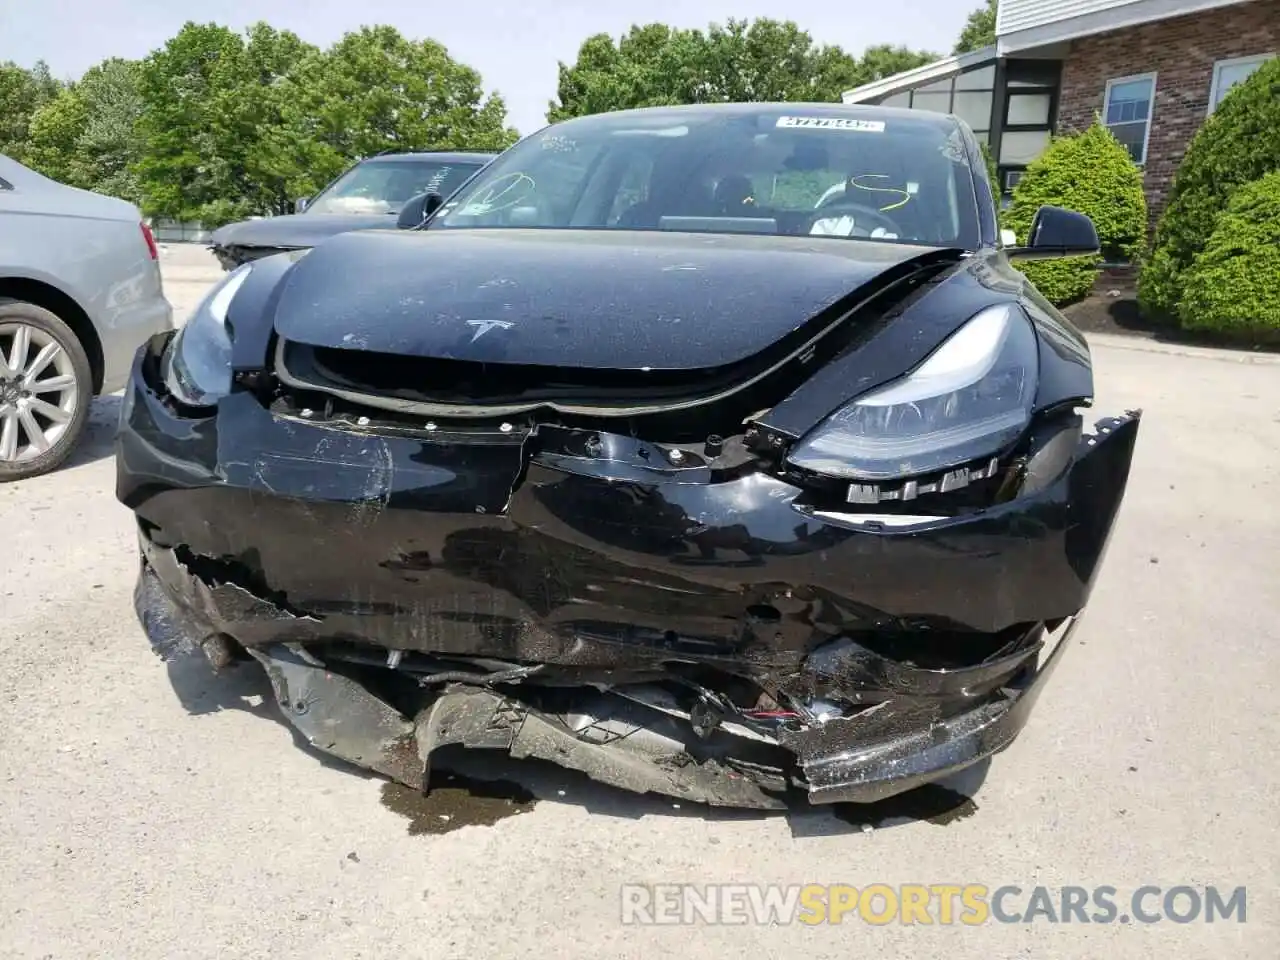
384	186
800	170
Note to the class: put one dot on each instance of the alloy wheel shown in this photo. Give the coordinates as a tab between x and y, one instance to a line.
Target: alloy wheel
39	393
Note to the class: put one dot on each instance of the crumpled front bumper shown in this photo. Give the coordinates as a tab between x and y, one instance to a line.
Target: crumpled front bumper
291	536
232	255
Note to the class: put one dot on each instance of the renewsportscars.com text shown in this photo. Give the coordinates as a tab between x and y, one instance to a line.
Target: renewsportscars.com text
966	904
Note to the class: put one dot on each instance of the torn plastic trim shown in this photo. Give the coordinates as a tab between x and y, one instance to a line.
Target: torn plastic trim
339	716
857	757
606	745
229	584
904	744
845	668
211	596
868	756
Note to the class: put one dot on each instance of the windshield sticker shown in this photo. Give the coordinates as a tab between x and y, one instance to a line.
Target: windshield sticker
557	143
832	123
680	131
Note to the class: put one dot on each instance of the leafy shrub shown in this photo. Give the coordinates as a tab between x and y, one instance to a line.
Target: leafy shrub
992	175
1234	284
1092	173
1238	144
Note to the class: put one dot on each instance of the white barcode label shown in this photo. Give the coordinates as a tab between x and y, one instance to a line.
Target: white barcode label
833	123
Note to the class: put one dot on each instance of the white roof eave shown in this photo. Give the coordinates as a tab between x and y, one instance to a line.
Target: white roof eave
1029	34
930	72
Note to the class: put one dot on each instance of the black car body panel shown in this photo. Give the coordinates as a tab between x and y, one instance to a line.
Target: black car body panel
907	333
606	570
604	300
532	491
564	538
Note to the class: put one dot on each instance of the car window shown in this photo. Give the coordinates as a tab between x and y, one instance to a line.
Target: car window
632	190
384	186
842	174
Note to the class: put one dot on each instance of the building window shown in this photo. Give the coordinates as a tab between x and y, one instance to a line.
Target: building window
1029	109
1227	73
1127	112
1020	147
968	95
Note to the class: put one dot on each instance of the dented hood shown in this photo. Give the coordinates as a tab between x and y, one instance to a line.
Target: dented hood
572	298
297	230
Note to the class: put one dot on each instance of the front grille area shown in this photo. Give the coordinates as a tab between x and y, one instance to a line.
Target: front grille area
433	380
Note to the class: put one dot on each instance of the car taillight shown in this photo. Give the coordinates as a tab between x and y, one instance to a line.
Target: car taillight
151	241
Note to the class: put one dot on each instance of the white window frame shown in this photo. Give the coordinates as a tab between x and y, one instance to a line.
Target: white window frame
1259	59
1151	115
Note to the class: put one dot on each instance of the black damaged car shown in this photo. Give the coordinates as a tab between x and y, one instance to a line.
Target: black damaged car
378	193
713	451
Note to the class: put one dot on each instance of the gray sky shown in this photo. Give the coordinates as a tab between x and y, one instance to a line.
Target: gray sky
515	45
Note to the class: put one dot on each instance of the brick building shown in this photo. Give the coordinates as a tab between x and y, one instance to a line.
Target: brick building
1151	69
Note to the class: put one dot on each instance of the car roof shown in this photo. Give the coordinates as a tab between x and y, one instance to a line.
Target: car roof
436	156
707	111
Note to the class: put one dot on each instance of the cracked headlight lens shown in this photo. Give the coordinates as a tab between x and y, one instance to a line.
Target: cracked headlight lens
969	399
197	365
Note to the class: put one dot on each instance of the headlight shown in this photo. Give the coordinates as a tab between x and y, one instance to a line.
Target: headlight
968	400
197	367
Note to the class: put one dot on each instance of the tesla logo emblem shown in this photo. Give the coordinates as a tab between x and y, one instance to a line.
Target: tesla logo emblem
484	326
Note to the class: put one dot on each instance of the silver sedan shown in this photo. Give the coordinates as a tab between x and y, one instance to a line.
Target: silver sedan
80	291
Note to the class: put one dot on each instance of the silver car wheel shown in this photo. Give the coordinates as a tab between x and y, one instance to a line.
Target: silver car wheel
39	393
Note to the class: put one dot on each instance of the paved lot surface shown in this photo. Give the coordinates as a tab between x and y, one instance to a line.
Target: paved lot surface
154	810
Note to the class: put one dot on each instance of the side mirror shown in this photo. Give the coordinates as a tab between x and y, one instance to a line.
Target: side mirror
413	213
300	204
1056	232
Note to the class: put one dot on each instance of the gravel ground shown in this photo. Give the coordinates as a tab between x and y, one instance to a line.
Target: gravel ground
152	809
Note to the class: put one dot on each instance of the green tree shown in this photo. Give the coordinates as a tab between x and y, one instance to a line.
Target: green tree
1233	285
979	30
87	135
653	65
1092	173
51	138
1238	144
992	171
22	93
234	125
277	150
192	165
884	60
760	60
376	90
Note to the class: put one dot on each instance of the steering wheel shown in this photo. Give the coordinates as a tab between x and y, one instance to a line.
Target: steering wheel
837	207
